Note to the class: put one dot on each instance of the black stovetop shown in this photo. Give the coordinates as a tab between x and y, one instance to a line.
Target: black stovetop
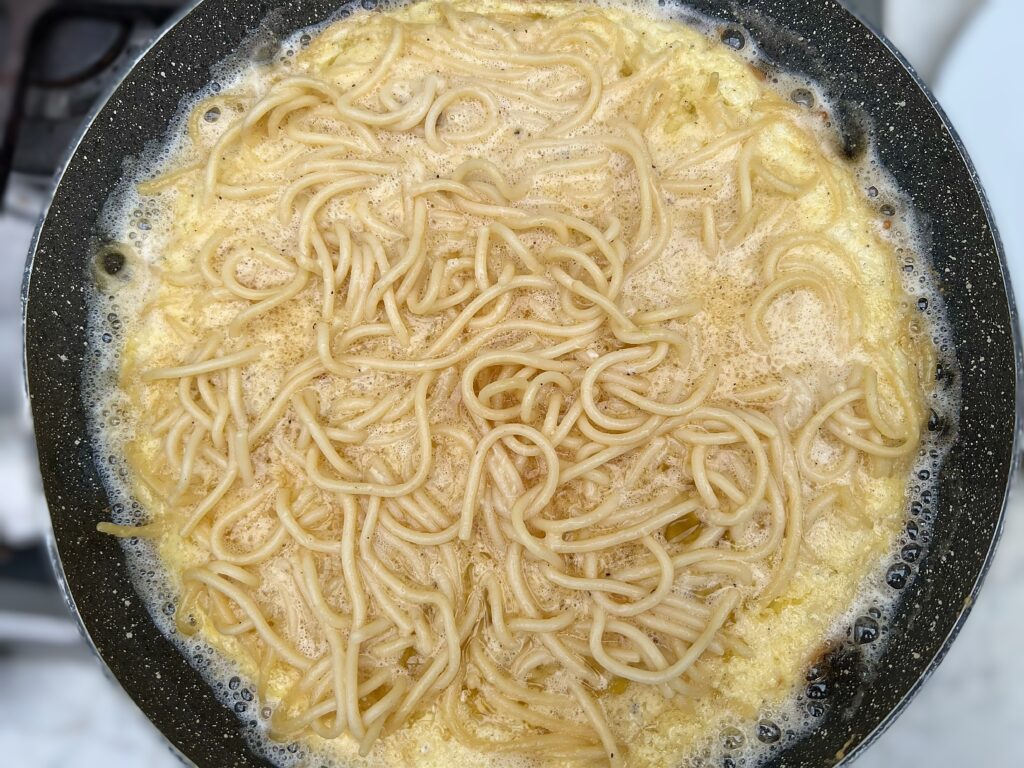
56	58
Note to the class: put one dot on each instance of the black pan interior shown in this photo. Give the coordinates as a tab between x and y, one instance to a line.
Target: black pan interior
869	85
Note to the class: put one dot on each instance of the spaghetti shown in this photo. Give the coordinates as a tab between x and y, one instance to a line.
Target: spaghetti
438	419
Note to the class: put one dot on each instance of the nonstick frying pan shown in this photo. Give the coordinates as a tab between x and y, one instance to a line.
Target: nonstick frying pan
879	105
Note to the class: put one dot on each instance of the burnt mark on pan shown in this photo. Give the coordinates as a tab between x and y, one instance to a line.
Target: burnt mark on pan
853	128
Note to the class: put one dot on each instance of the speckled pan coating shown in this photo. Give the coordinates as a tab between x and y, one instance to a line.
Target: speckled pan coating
866	80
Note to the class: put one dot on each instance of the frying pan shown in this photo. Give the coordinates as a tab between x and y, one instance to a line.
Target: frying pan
878	102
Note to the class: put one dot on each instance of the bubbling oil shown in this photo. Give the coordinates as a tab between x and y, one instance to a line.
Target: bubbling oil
775	698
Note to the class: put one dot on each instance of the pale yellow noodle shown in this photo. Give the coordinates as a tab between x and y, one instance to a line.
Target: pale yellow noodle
431	448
